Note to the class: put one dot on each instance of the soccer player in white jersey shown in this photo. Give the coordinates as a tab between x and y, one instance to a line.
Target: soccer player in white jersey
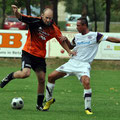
85	43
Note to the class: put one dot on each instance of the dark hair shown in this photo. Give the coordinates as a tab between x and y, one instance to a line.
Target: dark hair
83	20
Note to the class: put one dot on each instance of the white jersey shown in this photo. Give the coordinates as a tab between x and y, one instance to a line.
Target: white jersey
86	46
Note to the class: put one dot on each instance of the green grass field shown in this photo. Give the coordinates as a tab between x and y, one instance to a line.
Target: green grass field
68	93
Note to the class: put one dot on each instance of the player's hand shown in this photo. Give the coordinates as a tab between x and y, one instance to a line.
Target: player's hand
72	53
15	8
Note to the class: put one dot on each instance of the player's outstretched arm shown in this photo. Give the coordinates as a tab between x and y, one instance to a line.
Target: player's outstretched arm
113	39
65	39
15	10
65	46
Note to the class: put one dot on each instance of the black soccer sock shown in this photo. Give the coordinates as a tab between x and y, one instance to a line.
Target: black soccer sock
10	76
40	99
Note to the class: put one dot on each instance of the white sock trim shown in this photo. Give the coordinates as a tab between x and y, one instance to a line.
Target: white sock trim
50	84
87	90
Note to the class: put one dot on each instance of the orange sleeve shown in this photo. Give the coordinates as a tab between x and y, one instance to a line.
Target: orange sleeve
57	32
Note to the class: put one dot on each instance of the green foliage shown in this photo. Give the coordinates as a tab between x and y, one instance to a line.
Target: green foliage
61	25
100	12
0	12
115	5
73	6
115	16
76	7
22	4
9	11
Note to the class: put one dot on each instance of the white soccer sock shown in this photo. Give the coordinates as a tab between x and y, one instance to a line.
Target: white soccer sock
49	90
87	98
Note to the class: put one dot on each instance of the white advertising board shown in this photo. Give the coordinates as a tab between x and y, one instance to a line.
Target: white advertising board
108	50
12	42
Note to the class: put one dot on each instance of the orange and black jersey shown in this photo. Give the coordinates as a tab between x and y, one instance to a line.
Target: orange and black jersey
38	35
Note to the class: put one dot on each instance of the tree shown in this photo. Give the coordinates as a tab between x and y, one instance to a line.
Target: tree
55	10
95	17
42	5
28	7
84	7
115	10
107	15
3	14
25	3
115	5
74	6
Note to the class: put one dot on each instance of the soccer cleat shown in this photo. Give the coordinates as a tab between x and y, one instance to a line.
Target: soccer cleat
47	104
40	108
88	111
5	81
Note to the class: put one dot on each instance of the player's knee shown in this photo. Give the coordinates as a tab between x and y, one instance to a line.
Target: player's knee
87	82
25	74
50	78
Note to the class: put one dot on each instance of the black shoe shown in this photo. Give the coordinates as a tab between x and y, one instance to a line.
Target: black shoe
40	108
5	81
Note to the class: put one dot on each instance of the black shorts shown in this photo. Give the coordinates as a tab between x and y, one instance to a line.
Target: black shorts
31	61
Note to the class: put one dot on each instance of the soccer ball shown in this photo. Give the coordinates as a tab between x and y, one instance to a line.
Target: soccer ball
17	103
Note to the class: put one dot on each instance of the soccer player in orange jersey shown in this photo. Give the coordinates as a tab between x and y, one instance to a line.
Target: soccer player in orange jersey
40	30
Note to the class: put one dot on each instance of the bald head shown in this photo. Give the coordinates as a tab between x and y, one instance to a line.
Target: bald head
47	16
47	10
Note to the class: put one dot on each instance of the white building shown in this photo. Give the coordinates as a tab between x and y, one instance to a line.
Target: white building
62	15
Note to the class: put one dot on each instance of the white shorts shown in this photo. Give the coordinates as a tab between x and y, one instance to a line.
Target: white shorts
75	67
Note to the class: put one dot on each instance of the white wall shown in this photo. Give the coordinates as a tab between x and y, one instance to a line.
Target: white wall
62	15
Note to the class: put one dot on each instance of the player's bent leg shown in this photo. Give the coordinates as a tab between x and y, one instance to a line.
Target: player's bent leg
22	74
55	75
19	74
50	87
87	94
6	80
